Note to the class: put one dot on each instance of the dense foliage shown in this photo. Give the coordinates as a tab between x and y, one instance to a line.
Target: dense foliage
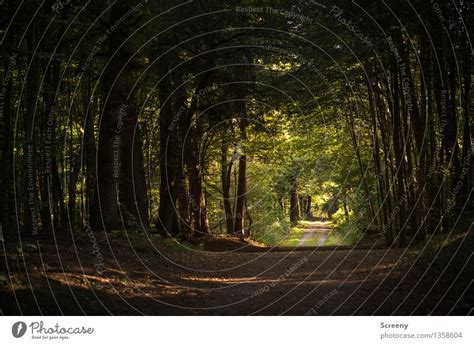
239	117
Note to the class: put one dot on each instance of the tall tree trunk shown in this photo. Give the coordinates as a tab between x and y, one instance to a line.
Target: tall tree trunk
226	169
418	123
242	184
30	200
88	148
171	179
362	169
308	207
399	147
198	203
115	85
294	204
380	215
49	144
381	174
467	153
6	148
133	192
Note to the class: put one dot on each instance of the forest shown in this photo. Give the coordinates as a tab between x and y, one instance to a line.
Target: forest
236	157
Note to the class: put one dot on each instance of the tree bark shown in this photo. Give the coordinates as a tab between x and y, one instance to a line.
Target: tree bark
242	184
294	203
226	169
6	148
30	199
115	85
133	191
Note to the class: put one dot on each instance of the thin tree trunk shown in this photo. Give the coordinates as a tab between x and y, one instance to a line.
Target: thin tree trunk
242	184
226	168
30	200
294	204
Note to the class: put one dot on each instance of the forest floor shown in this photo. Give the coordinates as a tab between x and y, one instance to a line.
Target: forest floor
142	273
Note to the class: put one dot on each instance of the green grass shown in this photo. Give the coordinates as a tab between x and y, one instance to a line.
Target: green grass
282	236
344	235
312	242
273	234
294	237
439	241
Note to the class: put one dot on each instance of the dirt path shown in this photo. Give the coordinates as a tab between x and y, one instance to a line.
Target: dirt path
145	276
315	234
